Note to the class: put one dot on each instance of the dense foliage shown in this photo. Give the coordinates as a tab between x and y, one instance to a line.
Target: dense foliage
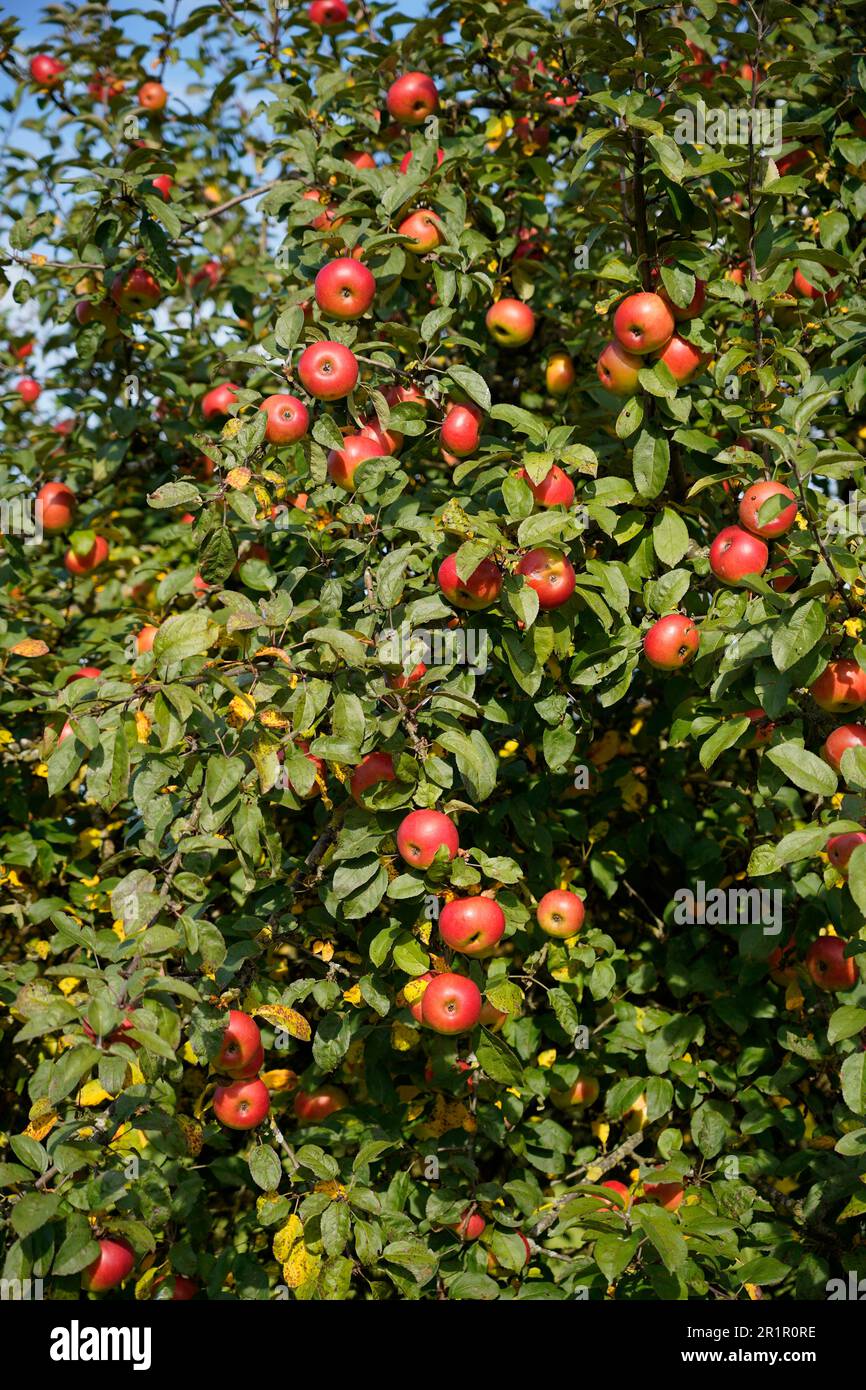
179	836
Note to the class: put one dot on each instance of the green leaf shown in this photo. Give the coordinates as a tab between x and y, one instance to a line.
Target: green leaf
797	633
804	769
651	459
475	386
660	1228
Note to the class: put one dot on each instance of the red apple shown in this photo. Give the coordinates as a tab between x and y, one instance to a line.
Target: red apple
422	231
764	726
241	1104
326	219
620	1189
560	913
782	963
46	71
318	764
343	463
360	158
412	98
664	1194
84	564
617	370
152	96
643	323
777	520
451	1004
311	1107
416	1007
218	401
841	847
422	833
480	590
585	1091
559	374
461	429
550	574
510	322
471	925
682	359
328	13
344	288
407	160
736	554
555	489
55	503
846	736
806	290
470	1226
111	1266
373	769
840	687
241	1053
329	371
135	290
389	441
828	966
694	306
288	419
88	673
184	1289
28	389
211	273
145	638
163	183
672	642
403	681
87	312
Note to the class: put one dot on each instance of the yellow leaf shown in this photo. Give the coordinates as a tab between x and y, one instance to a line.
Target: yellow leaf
92	1093
280	1079
403	1038
238	478
42	1125
323	949
299	1266
287	1019
142	726
30	646
353	995
547	1059
241	710
193	1134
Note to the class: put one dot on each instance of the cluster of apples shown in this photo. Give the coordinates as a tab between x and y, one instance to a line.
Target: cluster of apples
56	505
116	1261
644	328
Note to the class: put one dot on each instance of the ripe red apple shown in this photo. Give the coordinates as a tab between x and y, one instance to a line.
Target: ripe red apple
111	1266
46	71
846	736
841	847
617	370
163	183
183	1290
328	13
560	913
403	681
451	1004
407	160
682	359
559	374
152	96
806	290
329	371
345	288
764	726
421	834
241	1104
585	1091
85	564
643	323
480	590
471	925
470	1226
461	429
241	1053
694	306
56	505
412	98
87	312
405	395
373	769
211	273
555	489
389	441
145	638
219	400
782	963
672	642
28	389
828	966
840	687
135	290
311	1107
360	158
736	554
422	230
664	1194
91	673
510	322
550	574
777	521
288	418
325	219
620	1189
343	463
